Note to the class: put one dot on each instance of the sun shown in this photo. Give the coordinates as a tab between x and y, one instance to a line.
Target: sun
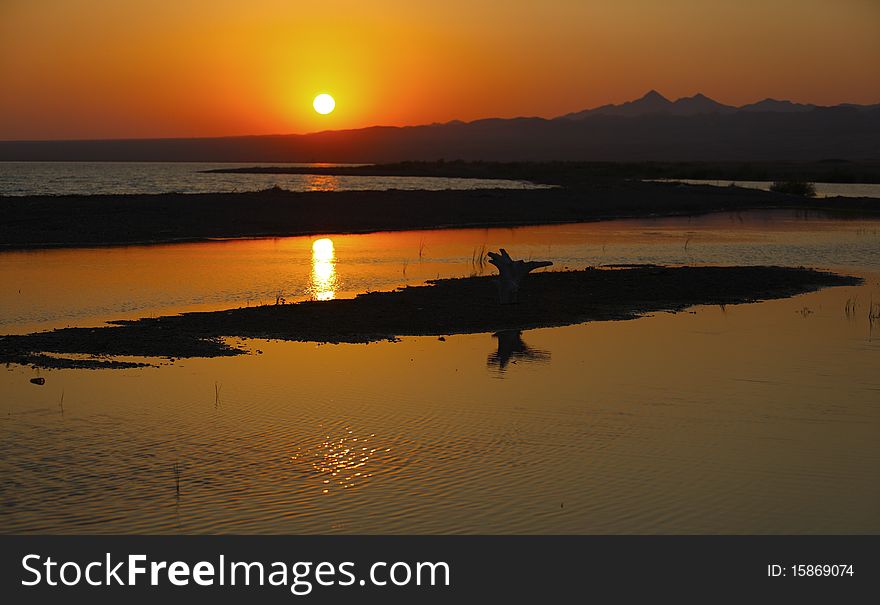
323	103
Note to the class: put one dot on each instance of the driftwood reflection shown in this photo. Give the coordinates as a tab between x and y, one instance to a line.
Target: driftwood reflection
512	349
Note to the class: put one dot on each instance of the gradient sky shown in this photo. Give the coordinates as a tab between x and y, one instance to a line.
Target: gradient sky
148	68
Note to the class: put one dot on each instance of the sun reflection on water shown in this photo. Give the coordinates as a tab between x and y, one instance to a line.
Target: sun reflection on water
323	276
343	461
321	182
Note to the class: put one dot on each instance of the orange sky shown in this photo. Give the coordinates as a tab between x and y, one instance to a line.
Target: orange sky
148	68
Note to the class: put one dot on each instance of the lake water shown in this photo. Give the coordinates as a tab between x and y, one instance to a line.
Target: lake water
755	418
87	178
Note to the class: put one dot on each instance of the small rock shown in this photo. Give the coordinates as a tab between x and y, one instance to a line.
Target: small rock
39	380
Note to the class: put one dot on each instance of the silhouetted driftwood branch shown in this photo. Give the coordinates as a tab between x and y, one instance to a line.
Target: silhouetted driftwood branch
511	274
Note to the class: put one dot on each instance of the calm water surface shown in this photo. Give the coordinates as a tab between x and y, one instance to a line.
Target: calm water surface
88	178
758	418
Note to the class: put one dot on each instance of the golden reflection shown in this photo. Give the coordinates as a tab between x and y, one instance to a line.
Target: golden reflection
321	182
323	269
344	460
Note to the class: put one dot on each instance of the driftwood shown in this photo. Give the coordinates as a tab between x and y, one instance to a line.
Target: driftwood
511	274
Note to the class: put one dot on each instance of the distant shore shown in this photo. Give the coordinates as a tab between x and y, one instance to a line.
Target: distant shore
112	220
443	307
581	174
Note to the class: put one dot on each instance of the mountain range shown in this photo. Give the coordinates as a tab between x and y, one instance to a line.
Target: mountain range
649	128
655	103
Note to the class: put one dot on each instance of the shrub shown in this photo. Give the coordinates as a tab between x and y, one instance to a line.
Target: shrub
794	188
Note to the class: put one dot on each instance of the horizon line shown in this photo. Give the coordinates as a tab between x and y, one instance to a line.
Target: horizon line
451	121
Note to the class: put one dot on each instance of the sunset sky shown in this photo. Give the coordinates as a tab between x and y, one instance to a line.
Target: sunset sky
136	68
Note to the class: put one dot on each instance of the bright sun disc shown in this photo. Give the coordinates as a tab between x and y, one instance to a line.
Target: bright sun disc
324	104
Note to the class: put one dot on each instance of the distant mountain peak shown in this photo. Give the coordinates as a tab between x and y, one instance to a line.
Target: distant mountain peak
699	103
777	106
652	95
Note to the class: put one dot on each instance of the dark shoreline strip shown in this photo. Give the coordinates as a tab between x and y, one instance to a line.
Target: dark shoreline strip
575	173
117	220
449	306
